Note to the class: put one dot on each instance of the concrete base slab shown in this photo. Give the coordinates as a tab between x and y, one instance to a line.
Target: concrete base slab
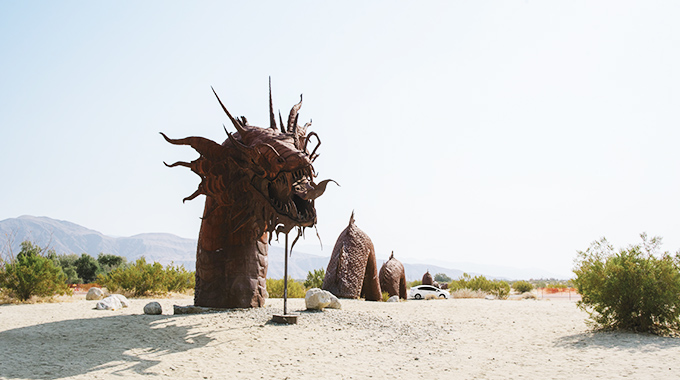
289	319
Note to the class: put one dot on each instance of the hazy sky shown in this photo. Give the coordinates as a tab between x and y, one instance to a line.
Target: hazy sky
496	132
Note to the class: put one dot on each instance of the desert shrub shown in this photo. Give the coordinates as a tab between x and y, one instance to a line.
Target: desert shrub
500	289
31	273
415	283
522	286
142	278
111	261
385	296
315	278
108	263
431	297
460	283
528	296
631	289
480	283
72	275
67	262
442	278
87	268
178	279
295	289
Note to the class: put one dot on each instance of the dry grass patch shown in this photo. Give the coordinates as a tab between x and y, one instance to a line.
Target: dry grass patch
468	293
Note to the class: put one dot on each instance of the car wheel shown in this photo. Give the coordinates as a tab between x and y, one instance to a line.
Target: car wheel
442	296
417	296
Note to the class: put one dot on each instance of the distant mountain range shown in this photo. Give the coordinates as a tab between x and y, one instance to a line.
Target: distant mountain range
67	237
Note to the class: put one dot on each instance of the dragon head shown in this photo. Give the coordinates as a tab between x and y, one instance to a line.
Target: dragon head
263	176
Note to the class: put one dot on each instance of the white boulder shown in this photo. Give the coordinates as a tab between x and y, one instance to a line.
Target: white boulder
317	299
335	302
123	300
393	299
94	294
109	303
153	308
113	302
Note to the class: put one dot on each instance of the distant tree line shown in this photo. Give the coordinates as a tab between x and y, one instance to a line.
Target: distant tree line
38	271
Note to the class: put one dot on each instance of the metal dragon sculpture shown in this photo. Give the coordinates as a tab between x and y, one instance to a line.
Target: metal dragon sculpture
352	270
259	181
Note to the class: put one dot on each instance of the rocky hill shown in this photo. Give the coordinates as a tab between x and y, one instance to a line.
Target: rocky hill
67	237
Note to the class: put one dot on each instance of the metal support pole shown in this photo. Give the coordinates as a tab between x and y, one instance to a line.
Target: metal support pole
285	280
285	318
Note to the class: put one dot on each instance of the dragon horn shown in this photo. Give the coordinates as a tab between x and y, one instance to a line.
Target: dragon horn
236	123
272	119
281	121
202	145
292	117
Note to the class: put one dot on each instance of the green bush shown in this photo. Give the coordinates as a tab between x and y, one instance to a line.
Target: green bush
442	278
32	273
631	289
295	289
178	279
108	263
480	283
460	283
500	289
68	265
522	286
87	268
415	283
111	261
315	278
142	278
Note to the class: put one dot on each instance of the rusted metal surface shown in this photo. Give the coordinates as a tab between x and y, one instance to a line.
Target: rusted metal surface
393	278
427	279
352	271
257	182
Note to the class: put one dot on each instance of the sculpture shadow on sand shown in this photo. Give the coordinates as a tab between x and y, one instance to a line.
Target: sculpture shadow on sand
119	344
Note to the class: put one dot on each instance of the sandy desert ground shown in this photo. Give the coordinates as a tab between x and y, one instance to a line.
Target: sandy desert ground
436	339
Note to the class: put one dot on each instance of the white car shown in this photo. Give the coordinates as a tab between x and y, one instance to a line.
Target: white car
421	291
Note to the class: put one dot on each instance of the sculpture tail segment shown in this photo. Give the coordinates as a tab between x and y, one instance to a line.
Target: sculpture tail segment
352	270
393	278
